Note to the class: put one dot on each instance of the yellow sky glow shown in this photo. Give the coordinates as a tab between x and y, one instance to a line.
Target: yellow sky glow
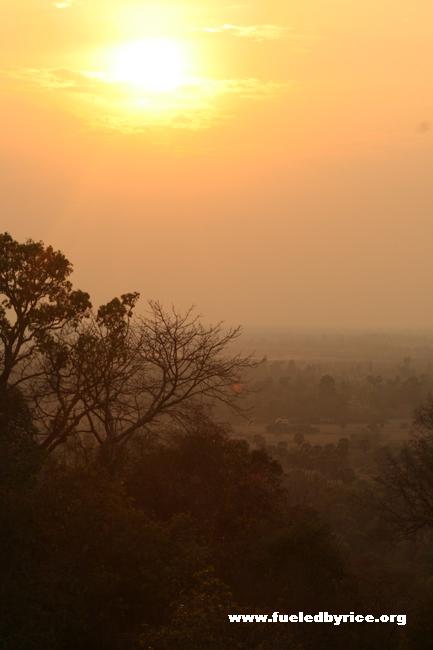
164	64
267	161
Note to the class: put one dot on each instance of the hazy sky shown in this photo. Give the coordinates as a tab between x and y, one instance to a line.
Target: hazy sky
270	162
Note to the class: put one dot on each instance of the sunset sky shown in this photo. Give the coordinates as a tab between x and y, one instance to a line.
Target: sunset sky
270	162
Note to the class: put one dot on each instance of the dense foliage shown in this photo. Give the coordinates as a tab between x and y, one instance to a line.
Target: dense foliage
148	540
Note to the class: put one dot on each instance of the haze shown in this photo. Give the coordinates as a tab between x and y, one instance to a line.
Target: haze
287	183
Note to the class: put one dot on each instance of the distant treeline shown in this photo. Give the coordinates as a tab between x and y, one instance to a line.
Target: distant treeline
349	393
131	520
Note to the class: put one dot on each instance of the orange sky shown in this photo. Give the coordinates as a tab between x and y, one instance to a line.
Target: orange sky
286	181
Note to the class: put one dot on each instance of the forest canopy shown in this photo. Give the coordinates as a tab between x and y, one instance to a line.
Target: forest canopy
131	518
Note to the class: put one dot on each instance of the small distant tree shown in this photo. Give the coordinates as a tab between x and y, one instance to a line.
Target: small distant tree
343	447
327	386
299	438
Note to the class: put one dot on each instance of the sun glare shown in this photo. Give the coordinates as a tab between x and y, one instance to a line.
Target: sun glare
152	81
156	65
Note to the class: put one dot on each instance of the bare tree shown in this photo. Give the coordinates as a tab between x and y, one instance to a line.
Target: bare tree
120	375
110	375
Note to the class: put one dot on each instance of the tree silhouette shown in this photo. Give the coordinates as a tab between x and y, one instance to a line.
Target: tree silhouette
109	375
36	299
407	478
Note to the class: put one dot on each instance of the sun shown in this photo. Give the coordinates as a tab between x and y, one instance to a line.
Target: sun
151	81
154	65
